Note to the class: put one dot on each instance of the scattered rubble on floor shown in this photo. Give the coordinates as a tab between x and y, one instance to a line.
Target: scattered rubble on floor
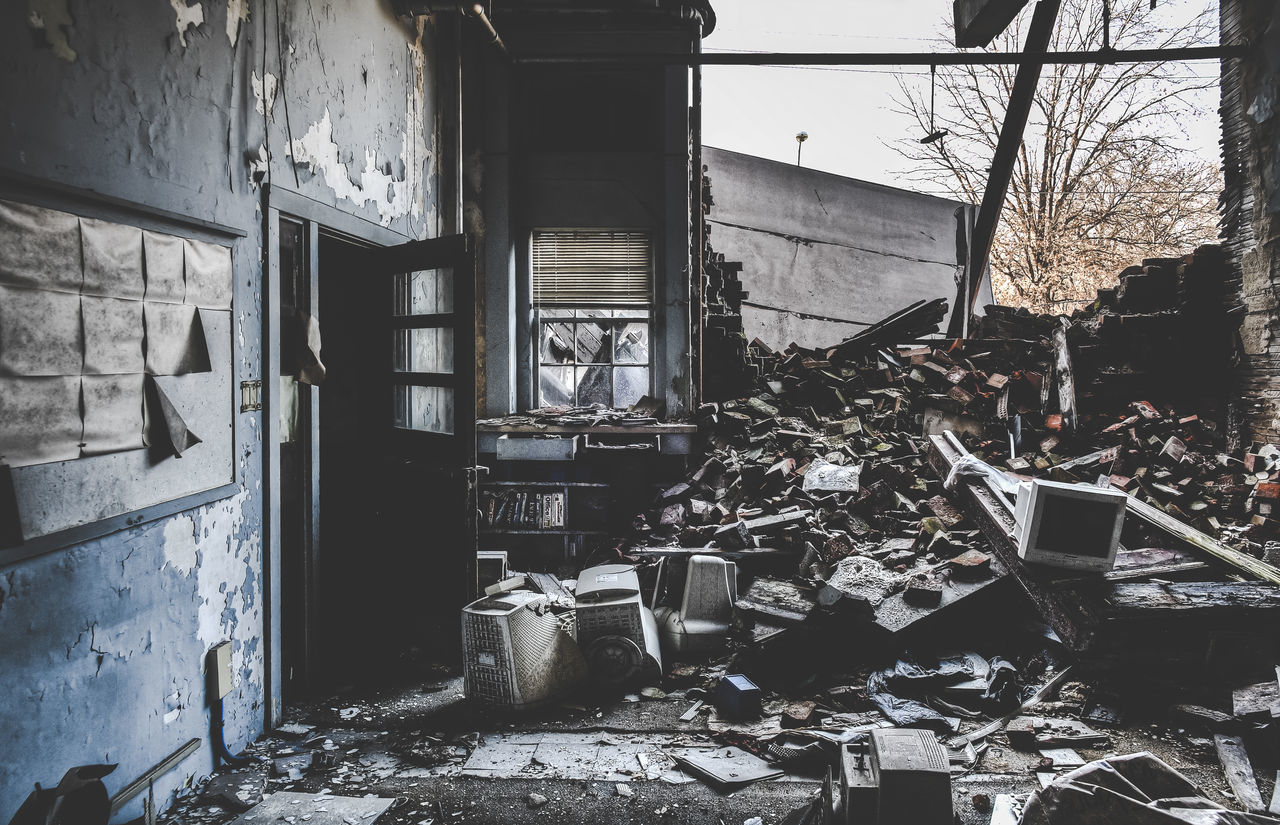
876	610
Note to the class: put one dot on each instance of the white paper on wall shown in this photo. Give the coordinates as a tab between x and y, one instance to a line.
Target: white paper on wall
39	420
167	429
112	413
39	248
112	259
162	257
175	339
208	271
40	332
113	336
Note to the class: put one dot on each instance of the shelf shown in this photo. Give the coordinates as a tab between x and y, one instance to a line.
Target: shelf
553	485
502	531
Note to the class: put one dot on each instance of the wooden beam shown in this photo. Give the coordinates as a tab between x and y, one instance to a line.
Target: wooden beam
978	22
1015	121
1239	771
1203	544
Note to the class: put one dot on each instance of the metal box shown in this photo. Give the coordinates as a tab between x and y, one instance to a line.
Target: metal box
914	777
857	785
537	448
738	697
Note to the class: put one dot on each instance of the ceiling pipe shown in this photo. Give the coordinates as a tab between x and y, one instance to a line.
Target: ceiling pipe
478	12
895	58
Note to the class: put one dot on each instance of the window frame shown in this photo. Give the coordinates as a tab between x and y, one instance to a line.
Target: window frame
626	313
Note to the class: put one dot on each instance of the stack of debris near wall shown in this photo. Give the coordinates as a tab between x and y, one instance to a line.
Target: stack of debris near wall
724	364
838	458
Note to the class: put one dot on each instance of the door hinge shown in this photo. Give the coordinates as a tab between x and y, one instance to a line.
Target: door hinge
250	396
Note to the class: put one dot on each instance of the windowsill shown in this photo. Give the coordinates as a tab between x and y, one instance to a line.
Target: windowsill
578	429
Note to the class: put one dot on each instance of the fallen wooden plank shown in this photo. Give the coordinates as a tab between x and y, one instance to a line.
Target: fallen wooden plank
1151	600
1239	771
1255	568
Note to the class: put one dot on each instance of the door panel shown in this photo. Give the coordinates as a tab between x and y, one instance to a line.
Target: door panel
399	517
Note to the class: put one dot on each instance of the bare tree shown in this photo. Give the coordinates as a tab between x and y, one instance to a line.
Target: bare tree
1099	181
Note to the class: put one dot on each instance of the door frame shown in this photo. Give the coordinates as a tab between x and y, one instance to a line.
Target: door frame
316	217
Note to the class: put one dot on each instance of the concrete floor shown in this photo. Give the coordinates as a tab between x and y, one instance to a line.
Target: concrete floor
446	761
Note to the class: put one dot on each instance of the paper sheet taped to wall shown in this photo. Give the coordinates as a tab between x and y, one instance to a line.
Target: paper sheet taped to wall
39	332
208	271
41	420
112	336
175	339
112	413
112	259
39	248
163	258
167	430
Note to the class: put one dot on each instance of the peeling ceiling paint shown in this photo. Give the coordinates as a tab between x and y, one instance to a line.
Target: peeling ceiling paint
237	13
264	92
187	17
53	18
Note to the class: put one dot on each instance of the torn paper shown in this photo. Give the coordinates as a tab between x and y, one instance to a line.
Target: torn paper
112	413
311	368
39	332
39	420
208	268
167	429
175	341
162	256
112	336
39	247
112	259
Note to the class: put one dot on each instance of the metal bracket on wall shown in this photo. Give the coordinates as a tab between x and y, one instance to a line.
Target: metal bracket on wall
250	396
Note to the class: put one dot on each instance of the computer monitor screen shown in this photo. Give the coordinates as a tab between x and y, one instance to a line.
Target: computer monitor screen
1079	527
1074	526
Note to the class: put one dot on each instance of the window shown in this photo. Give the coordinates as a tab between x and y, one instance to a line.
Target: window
592	293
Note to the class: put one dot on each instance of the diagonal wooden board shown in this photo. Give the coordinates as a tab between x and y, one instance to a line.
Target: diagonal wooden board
319	809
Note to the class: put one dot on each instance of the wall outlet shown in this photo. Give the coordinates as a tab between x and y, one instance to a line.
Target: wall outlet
220	670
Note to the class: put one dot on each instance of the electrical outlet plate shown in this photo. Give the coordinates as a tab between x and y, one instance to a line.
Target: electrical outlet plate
220	669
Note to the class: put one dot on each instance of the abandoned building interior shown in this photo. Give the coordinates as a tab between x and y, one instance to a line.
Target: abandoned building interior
491	450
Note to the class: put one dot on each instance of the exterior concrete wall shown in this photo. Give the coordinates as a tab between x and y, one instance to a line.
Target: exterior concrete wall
187	107
823	255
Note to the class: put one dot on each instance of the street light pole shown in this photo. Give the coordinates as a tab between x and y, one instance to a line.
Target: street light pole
800	139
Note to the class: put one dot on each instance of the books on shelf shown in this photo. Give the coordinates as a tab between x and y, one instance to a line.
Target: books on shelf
524	509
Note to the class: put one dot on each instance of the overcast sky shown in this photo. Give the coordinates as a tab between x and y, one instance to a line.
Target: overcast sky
847	111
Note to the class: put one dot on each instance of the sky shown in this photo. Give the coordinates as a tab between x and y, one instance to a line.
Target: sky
847	111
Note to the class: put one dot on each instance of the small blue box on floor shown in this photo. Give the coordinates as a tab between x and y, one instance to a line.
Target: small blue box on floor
738	697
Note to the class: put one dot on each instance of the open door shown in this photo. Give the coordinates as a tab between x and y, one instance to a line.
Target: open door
399	492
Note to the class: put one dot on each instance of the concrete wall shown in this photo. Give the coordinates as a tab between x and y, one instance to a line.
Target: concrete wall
824	255
181	106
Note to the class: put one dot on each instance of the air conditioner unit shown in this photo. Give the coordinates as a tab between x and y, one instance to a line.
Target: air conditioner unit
701	624
617	633
517	652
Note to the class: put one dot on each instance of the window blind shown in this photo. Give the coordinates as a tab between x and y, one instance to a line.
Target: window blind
592	268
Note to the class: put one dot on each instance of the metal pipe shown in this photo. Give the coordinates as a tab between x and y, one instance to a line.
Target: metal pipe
477	11
894	58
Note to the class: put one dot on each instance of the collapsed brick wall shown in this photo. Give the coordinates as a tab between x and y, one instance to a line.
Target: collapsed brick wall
1250	98
726	372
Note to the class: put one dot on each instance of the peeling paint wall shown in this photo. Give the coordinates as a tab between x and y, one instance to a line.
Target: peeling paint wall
188	107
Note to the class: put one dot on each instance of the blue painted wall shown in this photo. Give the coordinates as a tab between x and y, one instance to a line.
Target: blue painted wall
102	645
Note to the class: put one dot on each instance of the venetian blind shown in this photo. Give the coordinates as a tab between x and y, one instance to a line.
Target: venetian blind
592	268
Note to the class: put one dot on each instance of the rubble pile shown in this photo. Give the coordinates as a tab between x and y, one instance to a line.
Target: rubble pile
828	452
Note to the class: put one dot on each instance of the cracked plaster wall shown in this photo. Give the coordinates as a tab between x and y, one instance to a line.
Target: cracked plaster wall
103	644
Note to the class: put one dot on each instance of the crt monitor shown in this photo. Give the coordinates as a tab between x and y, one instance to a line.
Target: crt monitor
1074	526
